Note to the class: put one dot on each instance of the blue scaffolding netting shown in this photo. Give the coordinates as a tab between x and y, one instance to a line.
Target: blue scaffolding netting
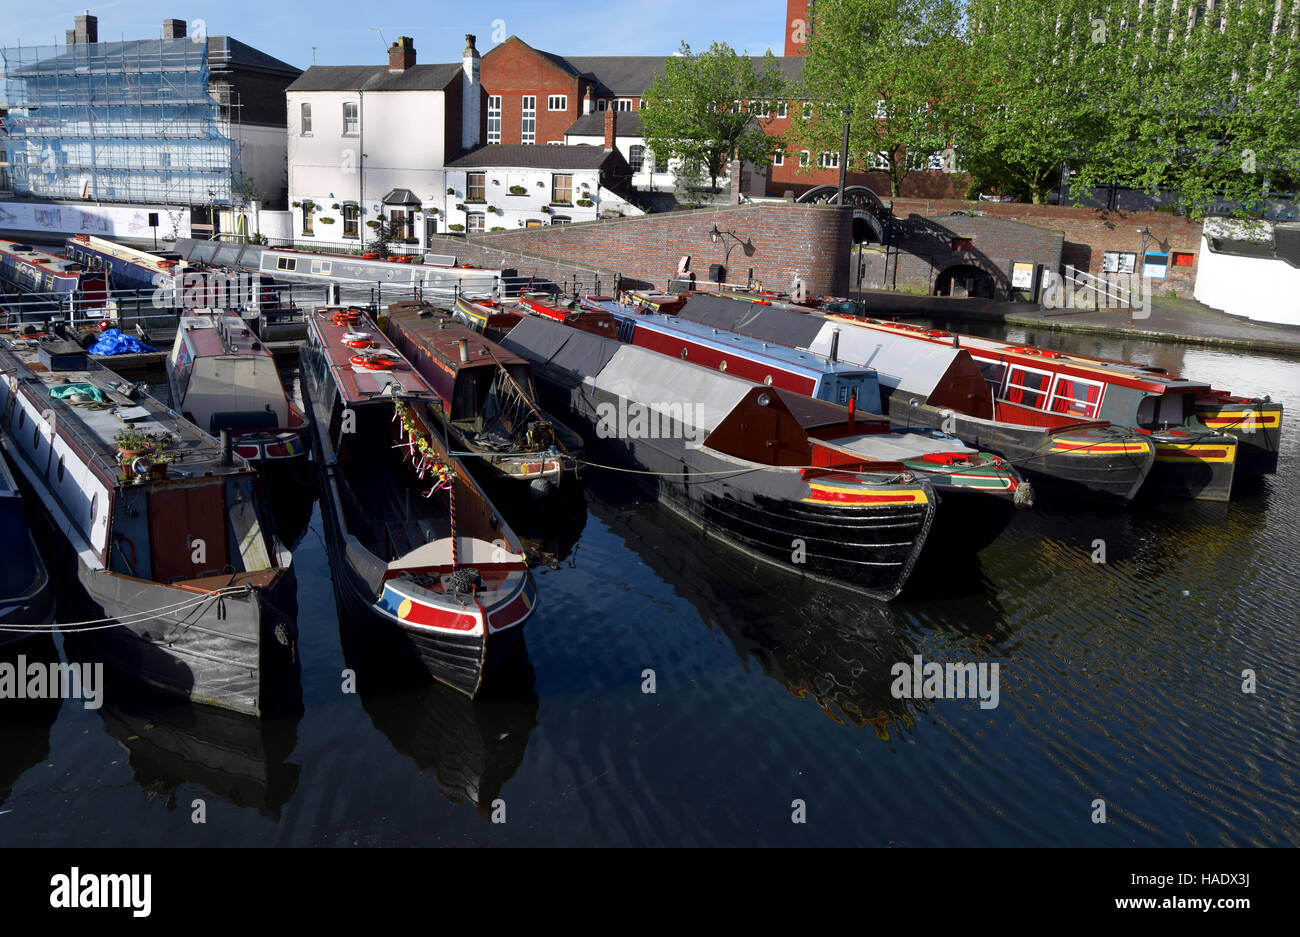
133	121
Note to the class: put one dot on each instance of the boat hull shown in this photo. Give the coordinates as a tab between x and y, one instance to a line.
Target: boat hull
829	529
228	650
1257	428
1097	462
1201	469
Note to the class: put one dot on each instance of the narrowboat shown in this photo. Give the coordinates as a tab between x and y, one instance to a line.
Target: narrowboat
223	378
444	277
486	400
486	315
733	458
173	281
978	491
587	318
26	593
941	386
163	529
29	269
1191	460
418	551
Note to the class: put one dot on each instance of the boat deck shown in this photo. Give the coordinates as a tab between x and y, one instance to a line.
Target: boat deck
94	425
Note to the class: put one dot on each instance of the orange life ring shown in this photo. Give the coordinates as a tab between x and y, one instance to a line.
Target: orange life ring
359	343
380	362
936	333
345	316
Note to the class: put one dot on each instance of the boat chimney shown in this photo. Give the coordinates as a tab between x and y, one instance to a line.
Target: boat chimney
956	341
226	448
835	345
463	345
332	294
853	406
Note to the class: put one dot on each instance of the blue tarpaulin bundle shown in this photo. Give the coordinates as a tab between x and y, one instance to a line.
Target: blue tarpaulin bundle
113	342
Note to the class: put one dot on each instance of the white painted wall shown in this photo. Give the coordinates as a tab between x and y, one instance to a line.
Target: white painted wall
514	211
263	157
404	147
1260	288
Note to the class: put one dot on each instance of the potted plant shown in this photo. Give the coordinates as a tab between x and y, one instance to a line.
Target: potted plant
460	206
546	209
498	228
336	206
132	443
372	224
432	211
456	227
326	220
492	209
451	191
584	203
518	190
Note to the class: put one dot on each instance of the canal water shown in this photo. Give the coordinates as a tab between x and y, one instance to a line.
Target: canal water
1120	688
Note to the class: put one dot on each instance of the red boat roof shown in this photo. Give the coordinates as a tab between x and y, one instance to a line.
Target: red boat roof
210	336
438	334
358	384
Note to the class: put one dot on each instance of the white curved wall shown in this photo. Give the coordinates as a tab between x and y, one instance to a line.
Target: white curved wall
1260	288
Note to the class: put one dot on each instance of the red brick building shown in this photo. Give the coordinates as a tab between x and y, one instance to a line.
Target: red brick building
538	97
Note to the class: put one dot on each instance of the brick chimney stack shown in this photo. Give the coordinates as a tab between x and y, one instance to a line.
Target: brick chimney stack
609	126
471	91
85	30
401	54
173	29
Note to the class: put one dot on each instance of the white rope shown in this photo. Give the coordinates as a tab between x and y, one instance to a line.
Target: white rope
99	624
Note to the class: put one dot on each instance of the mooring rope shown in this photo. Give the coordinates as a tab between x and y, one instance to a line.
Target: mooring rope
100	624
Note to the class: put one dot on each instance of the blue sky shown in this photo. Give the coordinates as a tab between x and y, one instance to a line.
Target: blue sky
344	32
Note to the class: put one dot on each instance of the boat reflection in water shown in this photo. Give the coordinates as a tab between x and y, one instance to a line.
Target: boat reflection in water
25	723
238	758
472	747
823	645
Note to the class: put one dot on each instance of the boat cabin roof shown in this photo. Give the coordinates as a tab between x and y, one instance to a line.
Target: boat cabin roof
128	255
438	334
92	426
60	266
1130	375
806	363
219	334
358	384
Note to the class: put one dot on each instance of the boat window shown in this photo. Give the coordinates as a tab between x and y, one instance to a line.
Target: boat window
1028	387
1076	396
286	263
993	372
321	266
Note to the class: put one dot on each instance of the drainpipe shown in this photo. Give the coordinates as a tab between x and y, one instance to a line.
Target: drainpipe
361	164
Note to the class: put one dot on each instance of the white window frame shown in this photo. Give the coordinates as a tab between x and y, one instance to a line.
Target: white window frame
602	105
1055	396
882	110
780	109
356	119
828	160
632	157
807	110
778	158
304	119
803	159
624	104
880	162
1046	394
528	119
494	118
557	102
760	109
471	218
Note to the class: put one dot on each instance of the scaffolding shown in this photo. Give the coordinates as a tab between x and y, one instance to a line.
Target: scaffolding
131	121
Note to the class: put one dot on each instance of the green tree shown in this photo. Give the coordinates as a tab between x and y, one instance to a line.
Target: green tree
890	63
690	115
1027	98
1204	102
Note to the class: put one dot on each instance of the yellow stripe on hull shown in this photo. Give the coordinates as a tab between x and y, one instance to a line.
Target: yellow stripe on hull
1240	419
835	494
1190	452
1088	447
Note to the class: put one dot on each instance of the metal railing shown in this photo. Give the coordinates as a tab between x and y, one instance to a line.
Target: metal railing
1097	287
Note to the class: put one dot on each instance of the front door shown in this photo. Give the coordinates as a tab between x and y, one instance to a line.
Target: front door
430	229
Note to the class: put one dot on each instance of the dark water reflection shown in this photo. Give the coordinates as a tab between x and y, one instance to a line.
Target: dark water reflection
1119	681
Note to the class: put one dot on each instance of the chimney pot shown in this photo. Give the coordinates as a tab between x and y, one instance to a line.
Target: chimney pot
173	29
589	102
86	28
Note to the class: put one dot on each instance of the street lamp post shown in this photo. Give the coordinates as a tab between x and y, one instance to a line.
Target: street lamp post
717	236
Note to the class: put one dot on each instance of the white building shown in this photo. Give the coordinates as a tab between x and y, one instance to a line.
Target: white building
366	141
499	187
